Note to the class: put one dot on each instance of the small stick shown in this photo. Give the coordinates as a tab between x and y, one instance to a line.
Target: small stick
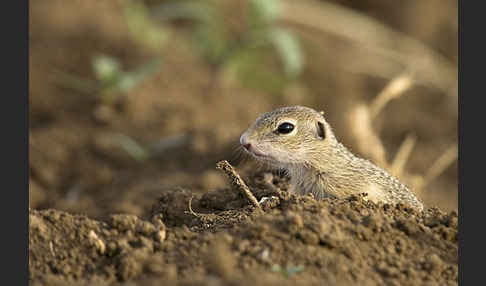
190	207
237	181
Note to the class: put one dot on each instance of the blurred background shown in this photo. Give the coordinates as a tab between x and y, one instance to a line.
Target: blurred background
129	98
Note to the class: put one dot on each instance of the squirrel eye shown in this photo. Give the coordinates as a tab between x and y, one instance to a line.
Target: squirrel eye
285	128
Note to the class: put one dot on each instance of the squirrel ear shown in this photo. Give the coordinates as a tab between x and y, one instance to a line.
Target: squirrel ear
321	130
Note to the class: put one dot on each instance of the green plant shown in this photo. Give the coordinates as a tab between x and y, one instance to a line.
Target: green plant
133	148
242	38
110	80
144	30
287	271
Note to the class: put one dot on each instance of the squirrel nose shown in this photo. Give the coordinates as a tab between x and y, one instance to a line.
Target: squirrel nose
244	142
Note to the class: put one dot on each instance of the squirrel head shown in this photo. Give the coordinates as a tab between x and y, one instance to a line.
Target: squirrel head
289	136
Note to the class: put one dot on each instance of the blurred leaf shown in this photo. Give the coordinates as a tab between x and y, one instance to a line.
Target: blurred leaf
181	10
292	270
106	69
289	50
287	272
212	44
211	35
268	10
142	27
133	148
251	68
253	54
209	32
77	83
166	143
130	80
111	80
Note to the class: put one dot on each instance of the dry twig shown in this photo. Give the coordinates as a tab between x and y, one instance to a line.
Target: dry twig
190	207
237	181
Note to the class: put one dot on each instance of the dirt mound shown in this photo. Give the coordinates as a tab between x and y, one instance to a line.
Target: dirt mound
218	238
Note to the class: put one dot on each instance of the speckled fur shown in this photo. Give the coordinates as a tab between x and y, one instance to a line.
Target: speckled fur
321	166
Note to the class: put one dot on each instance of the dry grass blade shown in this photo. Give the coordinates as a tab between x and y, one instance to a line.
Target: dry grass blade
440	165
370	34
394	89
360	125
237	181
403	154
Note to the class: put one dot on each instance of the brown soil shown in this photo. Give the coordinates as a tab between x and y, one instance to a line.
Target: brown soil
225	241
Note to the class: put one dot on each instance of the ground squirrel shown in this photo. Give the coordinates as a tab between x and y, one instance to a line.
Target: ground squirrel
299	141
